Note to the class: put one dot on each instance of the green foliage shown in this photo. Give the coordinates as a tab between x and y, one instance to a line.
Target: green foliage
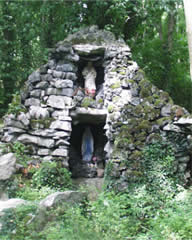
52	175
30	193
87	102
14	221
155	207
20	151
159	157
15	106
158	167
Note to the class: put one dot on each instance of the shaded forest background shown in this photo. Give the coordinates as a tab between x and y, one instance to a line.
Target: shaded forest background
155	31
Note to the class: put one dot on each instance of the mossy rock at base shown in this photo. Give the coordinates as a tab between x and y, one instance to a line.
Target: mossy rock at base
116	85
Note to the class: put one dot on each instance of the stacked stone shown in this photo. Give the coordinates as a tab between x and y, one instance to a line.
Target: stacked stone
45	123
140	114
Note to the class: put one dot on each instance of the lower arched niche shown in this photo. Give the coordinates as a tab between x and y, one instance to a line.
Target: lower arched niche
94	165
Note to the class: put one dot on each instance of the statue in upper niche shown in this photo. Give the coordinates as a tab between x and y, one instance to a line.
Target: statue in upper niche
89	74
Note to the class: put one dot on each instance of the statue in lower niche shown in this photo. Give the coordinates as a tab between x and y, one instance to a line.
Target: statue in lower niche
87	147
89	74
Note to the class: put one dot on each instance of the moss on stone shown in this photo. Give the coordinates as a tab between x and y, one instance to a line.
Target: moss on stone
131	81
157	103
15	107
87	102
164	96
140	75
145	92
100	100
150	99
110	108
115	99
154	137
116	85
139	144
44	122
155	96
136	155
123	73
144	125
122	142
161	121
144	83
124	132
141	136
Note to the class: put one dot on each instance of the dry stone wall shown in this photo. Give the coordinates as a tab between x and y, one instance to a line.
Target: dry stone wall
135	113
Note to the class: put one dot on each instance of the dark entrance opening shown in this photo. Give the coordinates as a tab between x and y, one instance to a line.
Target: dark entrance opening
94	168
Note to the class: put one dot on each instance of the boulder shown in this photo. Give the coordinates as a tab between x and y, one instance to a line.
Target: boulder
7	169
64	199
60	198
7	166
11	203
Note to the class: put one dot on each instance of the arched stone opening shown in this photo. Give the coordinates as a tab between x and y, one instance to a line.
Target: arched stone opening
95	167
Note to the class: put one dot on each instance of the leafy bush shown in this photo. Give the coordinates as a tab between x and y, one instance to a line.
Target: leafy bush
14	222
33	194
15	106
154	208
20	152
52	175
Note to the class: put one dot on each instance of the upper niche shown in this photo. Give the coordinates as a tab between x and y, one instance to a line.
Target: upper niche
98	67
93	54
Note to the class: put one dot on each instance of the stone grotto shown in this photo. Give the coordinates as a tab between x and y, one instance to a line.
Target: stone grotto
91	104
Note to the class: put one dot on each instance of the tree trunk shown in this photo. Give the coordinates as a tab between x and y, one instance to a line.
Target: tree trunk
188	18
8	50
171	26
